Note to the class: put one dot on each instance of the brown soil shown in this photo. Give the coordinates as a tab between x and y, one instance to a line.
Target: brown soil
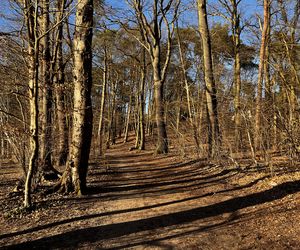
141	201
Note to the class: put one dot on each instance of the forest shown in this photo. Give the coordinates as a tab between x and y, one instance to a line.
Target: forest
150	124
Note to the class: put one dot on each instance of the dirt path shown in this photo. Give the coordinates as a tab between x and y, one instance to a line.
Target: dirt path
141	201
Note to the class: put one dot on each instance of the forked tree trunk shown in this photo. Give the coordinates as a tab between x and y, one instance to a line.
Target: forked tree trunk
74	177
214	139
151	32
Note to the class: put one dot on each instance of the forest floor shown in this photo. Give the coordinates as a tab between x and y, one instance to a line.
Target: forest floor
141	201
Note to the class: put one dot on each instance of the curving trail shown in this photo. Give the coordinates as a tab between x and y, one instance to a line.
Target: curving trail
141	201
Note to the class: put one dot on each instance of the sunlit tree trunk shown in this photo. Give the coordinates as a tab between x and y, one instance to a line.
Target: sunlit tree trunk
102	105
127	119
269	97
74	177
162	18
236	31
141	145
187	89
150	112
290	42
214	139
31	18
162	139
262	61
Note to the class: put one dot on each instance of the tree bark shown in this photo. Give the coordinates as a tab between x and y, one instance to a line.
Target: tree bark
151	32
102	105
214	139
59	81
142	101
74	177
31	17
46	109
127	120
236	31
162	139
187	89
262	53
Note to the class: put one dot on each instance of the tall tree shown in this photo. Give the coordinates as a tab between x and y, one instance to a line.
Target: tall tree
45	111
214	139
187	89
31	20
236	36
103	97
59	84
74	177
143	69
151	29
262	61
229	10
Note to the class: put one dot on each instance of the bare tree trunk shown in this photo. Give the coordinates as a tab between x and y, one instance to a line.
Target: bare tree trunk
2	149
109	119
269	103
102	105
187	89
289	39
162	139
59	81
149	112
178	112
142	101
236	30
45	111
63	133
127	120
112	115
214	139
74	177
262	53
151	32
31	17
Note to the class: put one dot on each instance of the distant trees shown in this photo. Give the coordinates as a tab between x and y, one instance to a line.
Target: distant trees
148	73
283	63
152	27
14	125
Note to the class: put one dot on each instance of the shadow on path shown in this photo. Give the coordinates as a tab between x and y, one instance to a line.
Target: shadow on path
73	238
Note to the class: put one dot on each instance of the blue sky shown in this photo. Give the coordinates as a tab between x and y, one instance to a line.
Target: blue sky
6	10
248	7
